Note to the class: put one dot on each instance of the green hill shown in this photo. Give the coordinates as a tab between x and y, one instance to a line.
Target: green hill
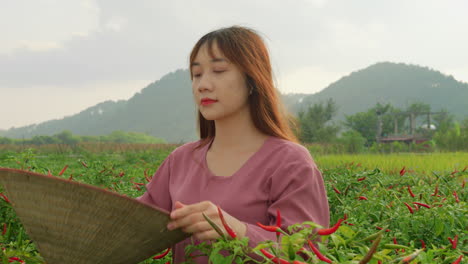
398	84
165	108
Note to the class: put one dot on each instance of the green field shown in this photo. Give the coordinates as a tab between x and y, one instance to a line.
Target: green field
436	180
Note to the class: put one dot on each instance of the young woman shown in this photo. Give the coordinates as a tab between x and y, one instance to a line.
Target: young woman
247	160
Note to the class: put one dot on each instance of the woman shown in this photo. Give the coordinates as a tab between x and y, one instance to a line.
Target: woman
247	160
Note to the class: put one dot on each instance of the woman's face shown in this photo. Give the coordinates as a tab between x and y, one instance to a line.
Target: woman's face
219	87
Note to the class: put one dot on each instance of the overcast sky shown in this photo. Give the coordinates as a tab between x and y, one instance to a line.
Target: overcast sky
58	57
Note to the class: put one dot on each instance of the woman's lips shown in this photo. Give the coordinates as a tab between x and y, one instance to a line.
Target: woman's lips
208	101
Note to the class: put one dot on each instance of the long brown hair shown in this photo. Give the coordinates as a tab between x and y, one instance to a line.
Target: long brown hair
245	48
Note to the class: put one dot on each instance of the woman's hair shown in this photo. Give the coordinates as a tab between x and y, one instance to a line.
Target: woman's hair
245	48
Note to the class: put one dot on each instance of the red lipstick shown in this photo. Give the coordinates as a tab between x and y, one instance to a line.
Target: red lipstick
208	101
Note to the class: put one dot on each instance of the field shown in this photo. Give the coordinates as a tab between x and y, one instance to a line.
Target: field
379	194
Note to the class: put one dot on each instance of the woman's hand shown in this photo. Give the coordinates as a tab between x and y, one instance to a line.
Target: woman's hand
190	219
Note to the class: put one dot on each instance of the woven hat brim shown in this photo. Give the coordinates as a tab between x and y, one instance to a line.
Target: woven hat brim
71	222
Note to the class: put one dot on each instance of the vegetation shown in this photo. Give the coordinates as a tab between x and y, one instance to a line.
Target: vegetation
67	138
368	193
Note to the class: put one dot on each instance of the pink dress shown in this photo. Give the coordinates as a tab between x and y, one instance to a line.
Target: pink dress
280	175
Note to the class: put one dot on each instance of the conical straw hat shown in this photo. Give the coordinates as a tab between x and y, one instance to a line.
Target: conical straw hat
72	222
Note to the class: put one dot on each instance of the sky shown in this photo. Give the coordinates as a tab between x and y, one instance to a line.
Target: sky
59	57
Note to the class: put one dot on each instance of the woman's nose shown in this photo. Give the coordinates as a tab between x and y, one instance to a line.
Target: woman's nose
205	83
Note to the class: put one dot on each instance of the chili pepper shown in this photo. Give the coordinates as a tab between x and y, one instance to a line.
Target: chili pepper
422	204
454	241
214	225
463	183
409	258
298	262
273	258
409	207
121	174
336	190
436	190
318	254
403	171
148	179
423	245
5	198
458	260
411	192
464	169
362	198
268	227
372	250
453	172
331	230
63	170
71	177
163	254
361	179
4	229
225	224
84	164
456	196
381	228
278	221
13	259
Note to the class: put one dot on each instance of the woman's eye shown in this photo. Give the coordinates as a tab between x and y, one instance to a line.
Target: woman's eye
219	71
196	75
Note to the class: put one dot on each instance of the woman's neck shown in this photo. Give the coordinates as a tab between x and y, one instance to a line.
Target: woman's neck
237	133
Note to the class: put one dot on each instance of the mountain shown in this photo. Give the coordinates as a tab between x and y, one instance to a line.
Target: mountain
165	108
396	83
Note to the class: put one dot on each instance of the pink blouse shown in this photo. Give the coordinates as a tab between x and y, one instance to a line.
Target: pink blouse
280	175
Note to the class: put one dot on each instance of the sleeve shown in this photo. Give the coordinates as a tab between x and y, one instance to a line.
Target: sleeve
297	190
157	190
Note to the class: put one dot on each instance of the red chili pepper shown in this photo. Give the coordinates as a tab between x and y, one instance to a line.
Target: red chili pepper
362	198
273	258
423	245
409	207
331	230
318	254
13	259
381	228
361	179
458	261
456	196
336	190
422	204
278	221
403	171
162	255
225	224
411	192
63	170
436	190
454	242
121	174
268	227
5	198
4	229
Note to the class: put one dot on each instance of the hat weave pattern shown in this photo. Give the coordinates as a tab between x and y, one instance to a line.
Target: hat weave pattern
72	222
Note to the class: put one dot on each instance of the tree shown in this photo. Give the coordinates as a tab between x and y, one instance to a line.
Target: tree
315	123
367	123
